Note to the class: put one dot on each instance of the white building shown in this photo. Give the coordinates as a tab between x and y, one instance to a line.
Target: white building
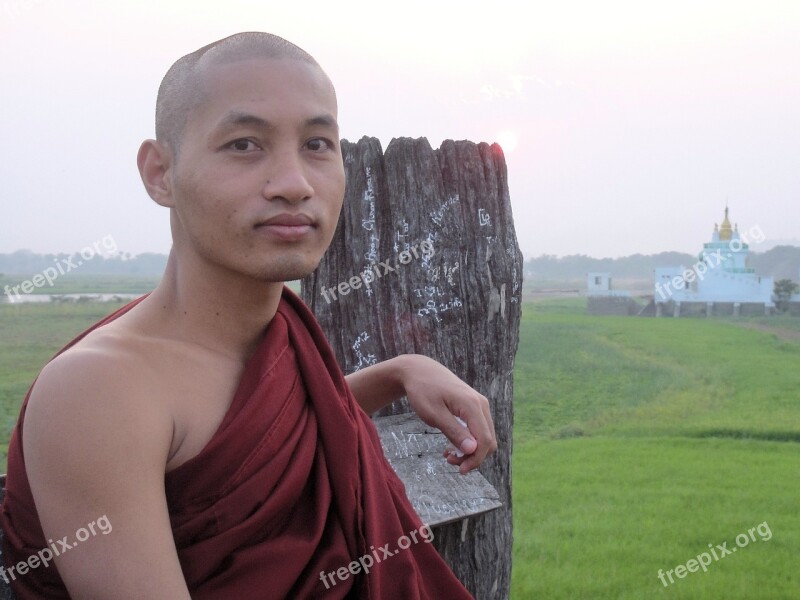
720	274
599	284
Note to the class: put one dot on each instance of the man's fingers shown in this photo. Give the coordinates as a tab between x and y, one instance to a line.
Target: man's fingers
457	431
482	428
492	437
488	424
469	445
475	437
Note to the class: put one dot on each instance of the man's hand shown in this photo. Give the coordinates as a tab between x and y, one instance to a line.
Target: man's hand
438	397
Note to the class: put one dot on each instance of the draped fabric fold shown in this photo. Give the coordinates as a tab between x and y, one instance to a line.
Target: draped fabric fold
291	489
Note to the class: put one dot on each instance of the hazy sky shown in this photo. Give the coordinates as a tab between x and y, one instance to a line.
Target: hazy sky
632	121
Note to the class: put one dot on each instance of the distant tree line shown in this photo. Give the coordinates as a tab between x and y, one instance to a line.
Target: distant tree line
781	262
25	262
783	292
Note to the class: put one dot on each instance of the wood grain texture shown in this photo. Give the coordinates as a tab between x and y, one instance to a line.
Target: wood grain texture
459	304
439	494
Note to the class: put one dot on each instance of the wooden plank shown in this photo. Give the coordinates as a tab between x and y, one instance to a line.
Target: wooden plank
438	492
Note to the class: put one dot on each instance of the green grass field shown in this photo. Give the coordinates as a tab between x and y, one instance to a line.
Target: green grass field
638	442
31	334
75	283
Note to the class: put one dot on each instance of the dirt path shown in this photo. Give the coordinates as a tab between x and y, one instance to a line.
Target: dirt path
784	334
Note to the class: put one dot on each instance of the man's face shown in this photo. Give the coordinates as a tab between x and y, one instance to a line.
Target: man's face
258	183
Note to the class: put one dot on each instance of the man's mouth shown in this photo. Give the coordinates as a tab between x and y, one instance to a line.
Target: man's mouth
287	226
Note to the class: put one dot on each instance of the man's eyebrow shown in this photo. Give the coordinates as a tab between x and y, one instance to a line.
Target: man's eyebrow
236	118
325	120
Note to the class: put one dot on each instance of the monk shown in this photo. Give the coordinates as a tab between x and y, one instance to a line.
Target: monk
202	442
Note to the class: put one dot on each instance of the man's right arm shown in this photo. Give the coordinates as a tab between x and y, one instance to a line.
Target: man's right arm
96	444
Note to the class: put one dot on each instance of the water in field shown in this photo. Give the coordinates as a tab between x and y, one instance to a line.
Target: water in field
71	298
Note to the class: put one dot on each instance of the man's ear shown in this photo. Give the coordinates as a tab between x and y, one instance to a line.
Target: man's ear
155	167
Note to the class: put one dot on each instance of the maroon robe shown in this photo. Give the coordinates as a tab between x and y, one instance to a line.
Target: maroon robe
293	484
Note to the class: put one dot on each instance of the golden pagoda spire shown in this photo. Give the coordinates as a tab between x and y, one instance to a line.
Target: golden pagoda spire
725	230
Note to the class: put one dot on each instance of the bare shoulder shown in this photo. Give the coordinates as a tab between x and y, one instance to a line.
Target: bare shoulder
93	397
107	375
96	440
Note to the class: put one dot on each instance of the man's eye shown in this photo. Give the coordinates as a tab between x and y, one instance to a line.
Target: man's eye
243	145
319	144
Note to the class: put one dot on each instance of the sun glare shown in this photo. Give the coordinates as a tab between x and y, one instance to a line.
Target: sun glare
507	140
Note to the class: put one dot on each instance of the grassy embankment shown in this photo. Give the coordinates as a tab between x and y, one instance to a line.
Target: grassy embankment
639	442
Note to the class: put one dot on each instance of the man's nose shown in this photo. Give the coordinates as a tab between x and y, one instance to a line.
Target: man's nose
287	178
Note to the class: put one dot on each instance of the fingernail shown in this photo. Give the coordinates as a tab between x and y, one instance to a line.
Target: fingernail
468	446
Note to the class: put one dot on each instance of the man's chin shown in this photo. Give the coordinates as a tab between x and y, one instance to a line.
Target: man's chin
290	270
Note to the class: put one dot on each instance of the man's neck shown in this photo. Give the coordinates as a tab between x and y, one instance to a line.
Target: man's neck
214	308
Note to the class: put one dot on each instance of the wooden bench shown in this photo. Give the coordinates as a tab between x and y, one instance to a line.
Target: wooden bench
438	493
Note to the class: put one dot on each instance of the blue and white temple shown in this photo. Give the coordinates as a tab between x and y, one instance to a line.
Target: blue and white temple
720	275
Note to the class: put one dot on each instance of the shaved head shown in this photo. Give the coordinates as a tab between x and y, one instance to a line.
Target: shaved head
182	90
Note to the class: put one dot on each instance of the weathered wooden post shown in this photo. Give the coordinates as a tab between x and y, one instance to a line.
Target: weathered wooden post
454	296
